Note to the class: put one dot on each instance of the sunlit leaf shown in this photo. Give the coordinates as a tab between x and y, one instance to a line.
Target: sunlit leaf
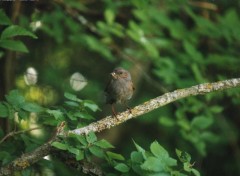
195	172
153	164
109	16
158	150
115	156
15	30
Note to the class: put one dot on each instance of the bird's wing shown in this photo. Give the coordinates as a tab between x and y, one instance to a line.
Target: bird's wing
106	90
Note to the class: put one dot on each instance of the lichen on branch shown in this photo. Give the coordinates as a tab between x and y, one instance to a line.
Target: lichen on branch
109	122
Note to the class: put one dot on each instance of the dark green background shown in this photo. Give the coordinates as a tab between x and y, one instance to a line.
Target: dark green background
165	44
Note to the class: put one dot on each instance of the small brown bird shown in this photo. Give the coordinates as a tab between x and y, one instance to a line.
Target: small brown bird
119	89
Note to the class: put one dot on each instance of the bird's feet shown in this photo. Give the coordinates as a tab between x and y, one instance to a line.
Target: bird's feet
129	109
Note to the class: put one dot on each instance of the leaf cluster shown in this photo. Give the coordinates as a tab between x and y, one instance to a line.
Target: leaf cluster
10	32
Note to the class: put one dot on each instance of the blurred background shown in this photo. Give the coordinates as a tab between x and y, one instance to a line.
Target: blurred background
165	44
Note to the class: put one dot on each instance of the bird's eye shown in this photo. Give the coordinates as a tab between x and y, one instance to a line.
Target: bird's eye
120	72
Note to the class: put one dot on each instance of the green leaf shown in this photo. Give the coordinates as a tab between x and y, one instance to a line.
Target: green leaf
13	45
153	164
167	121
97	151
15	30
91	105
158	150
177	173
59	145
140	149
71	116
197	73
202	122
71	103
4	20
109	16
183	156
122	167
32	107
91	137
4	112
15	98
136	157
115	156
170	161
82	140
216	109
72	97
79	153
103	144
73	150
83	115
209	137
57	114
99	47
187	167
195	172
192	51
184	124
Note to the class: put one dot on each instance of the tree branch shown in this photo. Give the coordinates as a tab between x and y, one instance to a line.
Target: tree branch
108	122
155	103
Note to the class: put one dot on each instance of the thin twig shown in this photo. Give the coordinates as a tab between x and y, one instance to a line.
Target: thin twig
13	133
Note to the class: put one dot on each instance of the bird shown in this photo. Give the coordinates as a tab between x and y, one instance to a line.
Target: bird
119	88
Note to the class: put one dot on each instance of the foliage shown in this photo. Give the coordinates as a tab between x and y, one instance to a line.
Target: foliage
141	162
11	31
75	112
156	162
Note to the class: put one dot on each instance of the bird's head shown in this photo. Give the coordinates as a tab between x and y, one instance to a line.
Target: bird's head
120	73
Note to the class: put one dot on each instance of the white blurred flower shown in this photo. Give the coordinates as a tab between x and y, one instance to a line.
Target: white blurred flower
35	25
77	81
30	76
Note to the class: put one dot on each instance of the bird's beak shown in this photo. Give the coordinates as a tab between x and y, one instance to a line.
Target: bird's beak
113	74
